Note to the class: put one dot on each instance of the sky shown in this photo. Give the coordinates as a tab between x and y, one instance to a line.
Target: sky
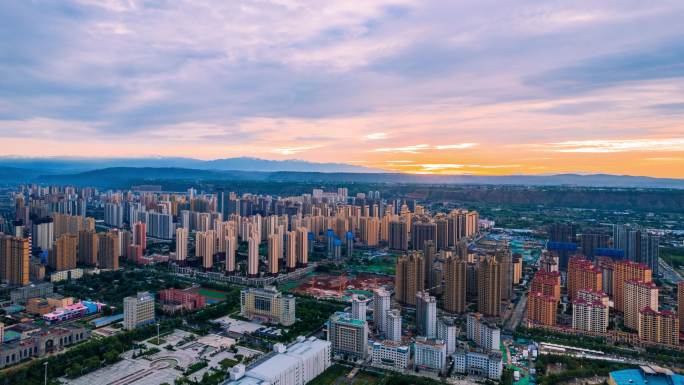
444	87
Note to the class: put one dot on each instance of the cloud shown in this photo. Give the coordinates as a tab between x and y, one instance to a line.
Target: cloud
293	150
440	166
376	136
345	80
418	148
455	146
625	145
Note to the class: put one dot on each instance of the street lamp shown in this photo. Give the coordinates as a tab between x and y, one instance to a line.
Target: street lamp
157	333
45	364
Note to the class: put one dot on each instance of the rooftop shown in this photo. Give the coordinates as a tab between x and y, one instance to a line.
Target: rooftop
646	375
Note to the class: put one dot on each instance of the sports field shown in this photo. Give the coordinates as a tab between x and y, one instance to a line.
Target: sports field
213	296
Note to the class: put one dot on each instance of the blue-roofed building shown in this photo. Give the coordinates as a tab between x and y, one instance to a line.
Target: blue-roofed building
645	375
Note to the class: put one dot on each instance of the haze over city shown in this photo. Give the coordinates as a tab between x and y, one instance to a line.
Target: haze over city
484	88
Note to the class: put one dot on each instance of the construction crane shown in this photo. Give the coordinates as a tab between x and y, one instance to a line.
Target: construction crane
343	284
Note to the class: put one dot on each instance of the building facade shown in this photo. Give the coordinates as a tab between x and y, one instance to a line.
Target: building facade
267	304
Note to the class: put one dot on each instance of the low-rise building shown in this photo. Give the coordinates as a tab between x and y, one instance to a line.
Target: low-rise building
480	363
175	300
41	342
390	355
348	336
297	364
430	354
267	304
22	294
644	375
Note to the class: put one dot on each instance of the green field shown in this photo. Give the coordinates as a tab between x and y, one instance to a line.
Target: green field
673	256
330	375
365	378
380	265
212	294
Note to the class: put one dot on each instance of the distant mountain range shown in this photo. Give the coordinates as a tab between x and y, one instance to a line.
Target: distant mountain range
124	172
71	165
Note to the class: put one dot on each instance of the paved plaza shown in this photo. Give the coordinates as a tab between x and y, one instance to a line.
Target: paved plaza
167	364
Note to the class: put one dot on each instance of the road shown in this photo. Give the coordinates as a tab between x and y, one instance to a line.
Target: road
514	320
669	273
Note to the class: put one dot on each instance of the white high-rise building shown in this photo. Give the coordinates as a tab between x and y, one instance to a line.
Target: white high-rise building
430	354
481	332
113	214
181	244
42	233
349	337
426	314
138	310
359	304
447	332
393	321
160	225
381	304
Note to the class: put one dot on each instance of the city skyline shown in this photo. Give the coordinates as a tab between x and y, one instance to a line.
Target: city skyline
418	87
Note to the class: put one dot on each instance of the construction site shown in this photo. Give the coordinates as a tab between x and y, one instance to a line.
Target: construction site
342	287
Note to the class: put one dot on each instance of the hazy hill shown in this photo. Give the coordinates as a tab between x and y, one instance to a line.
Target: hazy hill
124	176
72	165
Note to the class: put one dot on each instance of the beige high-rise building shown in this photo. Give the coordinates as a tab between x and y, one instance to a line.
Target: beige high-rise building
410	277
661	327
541	309
489	288
14	260
138	310
302	246
680	304
268	304
252	257
582	274
369	228
181	244
109	250
275	249
624	271
205	247
89	224
63	253
517	269
291	250
88	245
231	249
455	269
638	296
399	233
66	224
505	260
